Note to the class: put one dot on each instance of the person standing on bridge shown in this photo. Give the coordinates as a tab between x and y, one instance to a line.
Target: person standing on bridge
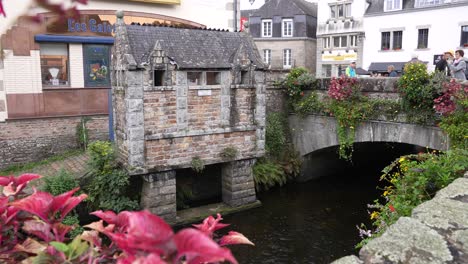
351	70
458	66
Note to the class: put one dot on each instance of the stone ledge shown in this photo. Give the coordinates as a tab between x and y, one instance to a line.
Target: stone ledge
200	132
437	232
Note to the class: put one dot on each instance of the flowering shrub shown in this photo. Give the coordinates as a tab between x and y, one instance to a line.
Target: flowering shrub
349	107
412	180
453	105
31	231
445	104
417	93
296	80
343	88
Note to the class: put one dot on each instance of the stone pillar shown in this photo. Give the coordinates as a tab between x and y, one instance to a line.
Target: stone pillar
159	194
238	182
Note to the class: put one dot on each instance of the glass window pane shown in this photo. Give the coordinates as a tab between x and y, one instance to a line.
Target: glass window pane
194	78
348	10
340	11
385	41
213	78
336	42
96	65
54	64
464	36
332	11
344	41
397	39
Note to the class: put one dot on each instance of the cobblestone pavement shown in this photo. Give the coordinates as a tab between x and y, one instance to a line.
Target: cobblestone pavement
74	164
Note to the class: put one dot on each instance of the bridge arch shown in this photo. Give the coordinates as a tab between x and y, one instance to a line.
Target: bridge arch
316	132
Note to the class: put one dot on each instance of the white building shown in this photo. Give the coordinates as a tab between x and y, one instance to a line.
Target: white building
397	30
340	34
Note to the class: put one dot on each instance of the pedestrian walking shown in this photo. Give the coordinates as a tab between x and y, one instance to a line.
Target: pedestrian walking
442	64
351	70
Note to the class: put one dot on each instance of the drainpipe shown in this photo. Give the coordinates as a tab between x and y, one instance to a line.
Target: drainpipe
235	15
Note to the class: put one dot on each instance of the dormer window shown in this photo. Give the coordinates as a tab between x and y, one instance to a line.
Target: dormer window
287	27
425	3
392	5
158	78
267	25
340	10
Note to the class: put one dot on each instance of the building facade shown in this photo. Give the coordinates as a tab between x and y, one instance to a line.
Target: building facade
285	33
187	94
55	74
340	36
398	30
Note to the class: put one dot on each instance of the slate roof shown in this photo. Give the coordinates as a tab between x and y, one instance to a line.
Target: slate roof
191	48
286	8
377	6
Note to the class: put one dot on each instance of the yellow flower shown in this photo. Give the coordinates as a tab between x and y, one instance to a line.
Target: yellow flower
386	193
401	159
374	215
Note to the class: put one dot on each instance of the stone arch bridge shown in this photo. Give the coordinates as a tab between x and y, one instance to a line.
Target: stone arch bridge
316	132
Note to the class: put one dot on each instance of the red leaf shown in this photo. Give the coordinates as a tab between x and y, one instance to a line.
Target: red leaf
30	246
26	178
233	238
60	231
92	237
38	204
141	231
108	216
2	11
392	209
210	225
150	259
39	229
198	248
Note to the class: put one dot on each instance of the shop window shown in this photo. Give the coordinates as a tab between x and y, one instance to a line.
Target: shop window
194	78
158	78
213	78
96	65
326	70
54	64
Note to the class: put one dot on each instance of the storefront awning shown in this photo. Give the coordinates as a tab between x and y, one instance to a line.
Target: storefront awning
382	66
74	39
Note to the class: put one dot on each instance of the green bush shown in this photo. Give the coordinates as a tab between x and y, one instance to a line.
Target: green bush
197	164
456	126
268	173
72	220
292	85
60	183
418	92
309	105
412	180
275	134
230	152
107	189
307	80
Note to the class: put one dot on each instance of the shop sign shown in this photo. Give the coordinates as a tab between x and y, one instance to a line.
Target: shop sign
339	57
91	26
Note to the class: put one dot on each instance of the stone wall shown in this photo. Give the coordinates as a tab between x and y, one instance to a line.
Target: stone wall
23	141
436	232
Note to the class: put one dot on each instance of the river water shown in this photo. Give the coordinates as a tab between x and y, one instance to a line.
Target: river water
313	221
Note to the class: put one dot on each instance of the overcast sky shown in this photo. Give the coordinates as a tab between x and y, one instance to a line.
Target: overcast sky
245	4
